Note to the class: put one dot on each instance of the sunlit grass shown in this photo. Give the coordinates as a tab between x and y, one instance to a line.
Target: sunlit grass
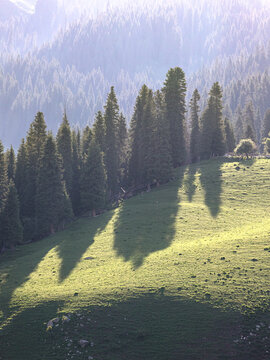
203	238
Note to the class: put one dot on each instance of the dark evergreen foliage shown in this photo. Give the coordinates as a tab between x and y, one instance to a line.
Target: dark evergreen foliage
11	163
65	150
229	134
11	227
175	93
93	180
99	130
52	204
195	127
111	156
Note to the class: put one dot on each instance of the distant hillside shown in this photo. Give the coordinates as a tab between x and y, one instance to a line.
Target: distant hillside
125	47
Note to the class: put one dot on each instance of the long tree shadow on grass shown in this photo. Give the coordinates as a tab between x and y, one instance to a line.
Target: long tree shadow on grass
146	223
189	182
77	240
150	326
211	182
15	271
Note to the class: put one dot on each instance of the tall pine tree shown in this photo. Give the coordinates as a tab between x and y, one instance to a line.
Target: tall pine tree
99	130
21	176
52	203
11	163
230	139
35	140
136	138
93	180
110	142
3	190
195	127
76	174
175	93
65	150
12	230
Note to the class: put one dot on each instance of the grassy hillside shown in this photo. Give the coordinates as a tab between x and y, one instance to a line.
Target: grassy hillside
181	272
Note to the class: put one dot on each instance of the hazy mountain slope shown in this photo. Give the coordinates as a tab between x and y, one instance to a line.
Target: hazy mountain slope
123	47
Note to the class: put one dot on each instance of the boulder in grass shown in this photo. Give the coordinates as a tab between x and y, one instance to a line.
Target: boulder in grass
83	343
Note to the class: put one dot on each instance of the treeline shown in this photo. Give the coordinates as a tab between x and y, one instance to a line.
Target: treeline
52	179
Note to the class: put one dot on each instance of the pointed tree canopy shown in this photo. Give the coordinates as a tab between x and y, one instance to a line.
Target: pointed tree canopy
99	130
175	93
21	176
11	163
65	150
111	116
51	198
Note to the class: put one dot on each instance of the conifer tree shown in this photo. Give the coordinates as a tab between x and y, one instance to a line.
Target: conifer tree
249	133
175	93
249	127
76	174
3	190
21	176
86	139
239	128
195	127
35	140
230	139
12	230
110	141
162	160
64	148
266	124
3	179
213	142
52	203
136	138
147	140
218	139
99	130
93	180
122	138
11	162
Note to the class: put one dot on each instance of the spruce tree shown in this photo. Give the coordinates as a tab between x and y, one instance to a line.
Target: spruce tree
249	122
249	133
12	230
99	130
21	176
195	127
147	140
3	179
52	203
65	150
213	142
35	140
266	124
93	180
175	93
76	174
122	137
239	128
110	141
136	138
11	163
218	139
230	139
162	160
86	139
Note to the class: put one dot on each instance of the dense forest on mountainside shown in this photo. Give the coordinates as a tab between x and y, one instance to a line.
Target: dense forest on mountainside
126	48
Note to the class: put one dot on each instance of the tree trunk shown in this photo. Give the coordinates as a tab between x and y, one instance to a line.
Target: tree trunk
52	229
94	213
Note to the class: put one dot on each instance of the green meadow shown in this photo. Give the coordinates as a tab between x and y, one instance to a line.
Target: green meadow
181	272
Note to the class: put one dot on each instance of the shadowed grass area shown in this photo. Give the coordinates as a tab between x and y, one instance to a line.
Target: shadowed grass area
198	245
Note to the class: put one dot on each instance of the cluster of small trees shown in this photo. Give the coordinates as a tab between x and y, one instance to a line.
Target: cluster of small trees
54	178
